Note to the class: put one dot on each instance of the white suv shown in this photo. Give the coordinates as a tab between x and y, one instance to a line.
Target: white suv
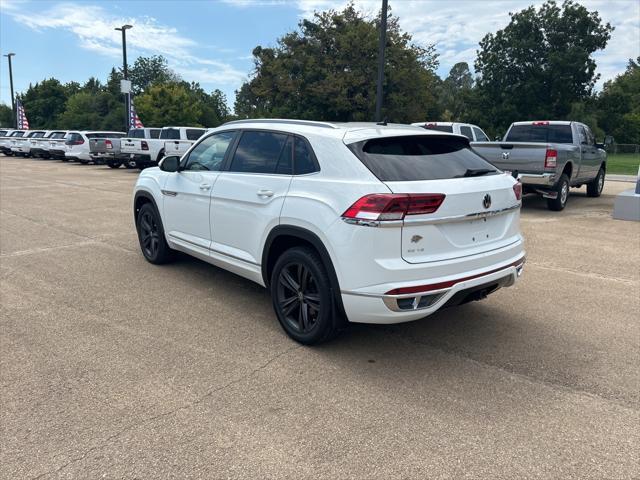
372	223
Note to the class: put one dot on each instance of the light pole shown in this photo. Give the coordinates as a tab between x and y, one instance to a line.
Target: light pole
13	101
127	96
383	41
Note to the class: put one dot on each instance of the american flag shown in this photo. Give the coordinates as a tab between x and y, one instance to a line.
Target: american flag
23	123
134	120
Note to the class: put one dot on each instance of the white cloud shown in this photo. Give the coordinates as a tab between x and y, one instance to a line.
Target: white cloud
94	28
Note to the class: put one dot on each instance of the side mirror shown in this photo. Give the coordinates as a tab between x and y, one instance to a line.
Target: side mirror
170	164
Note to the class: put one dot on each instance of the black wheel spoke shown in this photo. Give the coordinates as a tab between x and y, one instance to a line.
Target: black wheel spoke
144	221
288	281
303	317
313	300
303	276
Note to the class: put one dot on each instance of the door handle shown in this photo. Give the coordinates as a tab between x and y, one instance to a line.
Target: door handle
265	193
205	186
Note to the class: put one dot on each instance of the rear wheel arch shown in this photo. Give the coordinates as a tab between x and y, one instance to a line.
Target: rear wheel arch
283	237
568	169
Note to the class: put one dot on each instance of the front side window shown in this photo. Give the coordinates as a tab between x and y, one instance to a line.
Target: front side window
258	152
466	131
480	136
154	133
583	135
209	154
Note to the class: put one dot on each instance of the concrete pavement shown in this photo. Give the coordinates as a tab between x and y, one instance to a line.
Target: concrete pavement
115	368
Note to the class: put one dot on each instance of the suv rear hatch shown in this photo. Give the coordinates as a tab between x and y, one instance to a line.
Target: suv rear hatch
475	207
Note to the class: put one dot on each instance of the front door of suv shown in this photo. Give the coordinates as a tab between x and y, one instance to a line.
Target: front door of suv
247	199
187	193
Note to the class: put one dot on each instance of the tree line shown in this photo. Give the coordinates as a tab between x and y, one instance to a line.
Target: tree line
540	66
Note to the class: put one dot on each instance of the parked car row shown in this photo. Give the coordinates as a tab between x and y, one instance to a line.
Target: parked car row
140	148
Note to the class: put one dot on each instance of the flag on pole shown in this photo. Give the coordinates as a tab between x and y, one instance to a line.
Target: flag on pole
134	120
23	123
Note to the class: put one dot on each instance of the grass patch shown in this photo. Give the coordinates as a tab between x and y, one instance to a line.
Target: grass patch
623	163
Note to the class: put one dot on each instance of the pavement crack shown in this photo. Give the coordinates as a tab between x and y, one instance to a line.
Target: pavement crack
153	418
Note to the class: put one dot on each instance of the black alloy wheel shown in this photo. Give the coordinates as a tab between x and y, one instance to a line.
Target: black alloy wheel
298	297
151	235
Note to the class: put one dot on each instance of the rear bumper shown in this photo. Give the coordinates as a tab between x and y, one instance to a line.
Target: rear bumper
539	180
77	156
57	153
362	307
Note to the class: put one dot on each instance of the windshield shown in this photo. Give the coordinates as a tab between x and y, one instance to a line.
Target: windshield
420	157
540	133
439	128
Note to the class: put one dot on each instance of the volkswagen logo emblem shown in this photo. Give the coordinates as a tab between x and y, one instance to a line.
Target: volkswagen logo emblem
486	201
505	155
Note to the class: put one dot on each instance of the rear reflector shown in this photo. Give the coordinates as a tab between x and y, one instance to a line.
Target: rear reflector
517	189
393	206
550	158
540	123
449	283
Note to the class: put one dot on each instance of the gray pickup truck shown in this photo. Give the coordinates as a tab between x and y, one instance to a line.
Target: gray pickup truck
104	147
549	158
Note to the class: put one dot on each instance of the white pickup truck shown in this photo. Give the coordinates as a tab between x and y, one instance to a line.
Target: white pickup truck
472	132
148	152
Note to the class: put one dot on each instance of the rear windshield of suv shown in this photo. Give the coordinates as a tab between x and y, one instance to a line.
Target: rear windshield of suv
540	134
439	128
58	135
419	157
105	135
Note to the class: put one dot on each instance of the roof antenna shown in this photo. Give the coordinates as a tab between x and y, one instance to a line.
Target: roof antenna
383	122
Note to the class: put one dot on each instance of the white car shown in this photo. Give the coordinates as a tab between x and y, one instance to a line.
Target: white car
149	151
21	146
364	222
473	132
7	140
77	144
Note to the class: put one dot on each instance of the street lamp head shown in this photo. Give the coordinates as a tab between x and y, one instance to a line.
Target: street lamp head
9	55
123	27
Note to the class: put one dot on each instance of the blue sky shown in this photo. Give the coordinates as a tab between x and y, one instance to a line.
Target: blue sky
210	41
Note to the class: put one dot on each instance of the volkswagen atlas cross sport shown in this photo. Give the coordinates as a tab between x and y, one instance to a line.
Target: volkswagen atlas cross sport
359	222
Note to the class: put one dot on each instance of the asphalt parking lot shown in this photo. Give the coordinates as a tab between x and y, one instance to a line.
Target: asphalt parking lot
115	368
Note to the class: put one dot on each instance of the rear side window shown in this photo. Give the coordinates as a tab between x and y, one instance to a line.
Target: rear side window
542	133
418	157
170	134
439	128
480	136
258	152
194	133
466	131
17	134
304	158
154	133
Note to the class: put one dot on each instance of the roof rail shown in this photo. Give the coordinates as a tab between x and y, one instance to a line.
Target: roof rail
309	123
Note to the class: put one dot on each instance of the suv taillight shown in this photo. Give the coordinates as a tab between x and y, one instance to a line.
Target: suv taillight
145	145
551	158
517	189
393	206
108	144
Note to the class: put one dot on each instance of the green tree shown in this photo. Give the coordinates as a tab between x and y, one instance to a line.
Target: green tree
455	92
541	63
213	107
6	118
147	71
618	105
327	71
85	111
44	102
168	104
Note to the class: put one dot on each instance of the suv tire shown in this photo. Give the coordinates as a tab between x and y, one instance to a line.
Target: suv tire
151	236
562	188
594	188
302	296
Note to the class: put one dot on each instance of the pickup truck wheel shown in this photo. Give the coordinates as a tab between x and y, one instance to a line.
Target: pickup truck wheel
151	236
594	188
562	189
301	296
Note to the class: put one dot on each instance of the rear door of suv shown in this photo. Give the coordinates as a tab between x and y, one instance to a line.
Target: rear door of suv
248	196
